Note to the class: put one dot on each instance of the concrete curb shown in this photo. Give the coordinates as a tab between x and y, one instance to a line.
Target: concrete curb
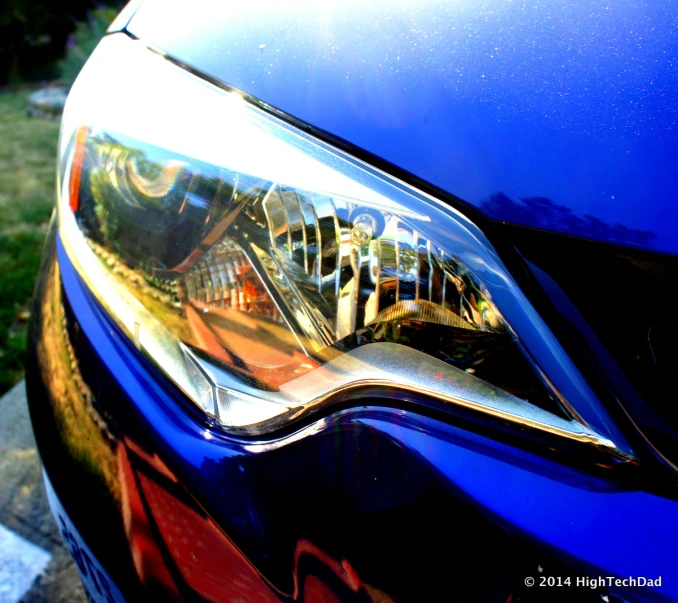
26	522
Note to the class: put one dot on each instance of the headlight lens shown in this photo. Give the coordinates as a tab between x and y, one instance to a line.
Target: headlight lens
266	273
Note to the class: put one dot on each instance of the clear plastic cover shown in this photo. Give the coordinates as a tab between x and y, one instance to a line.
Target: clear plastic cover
264	271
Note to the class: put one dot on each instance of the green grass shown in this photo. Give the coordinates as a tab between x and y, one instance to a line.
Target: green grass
27	175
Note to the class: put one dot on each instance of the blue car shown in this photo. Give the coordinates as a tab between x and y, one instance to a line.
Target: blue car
366	301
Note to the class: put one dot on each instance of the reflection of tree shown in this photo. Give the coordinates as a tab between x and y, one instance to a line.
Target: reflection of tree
408	260
540	212
82	428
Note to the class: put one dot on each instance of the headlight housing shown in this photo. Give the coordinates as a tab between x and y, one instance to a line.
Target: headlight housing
267	273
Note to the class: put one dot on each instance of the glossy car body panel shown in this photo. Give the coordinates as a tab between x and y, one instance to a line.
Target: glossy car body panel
391	499
565	123
555	115
373	503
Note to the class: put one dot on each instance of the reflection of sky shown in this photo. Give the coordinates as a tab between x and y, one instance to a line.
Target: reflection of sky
576	101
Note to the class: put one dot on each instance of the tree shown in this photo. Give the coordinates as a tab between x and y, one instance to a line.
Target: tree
33	36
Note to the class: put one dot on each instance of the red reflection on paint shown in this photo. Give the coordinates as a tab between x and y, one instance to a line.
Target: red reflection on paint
316	591
343	570
206	558
147	558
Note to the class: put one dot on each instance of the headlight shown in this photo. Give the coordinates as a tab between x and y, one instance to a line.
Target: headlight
267	273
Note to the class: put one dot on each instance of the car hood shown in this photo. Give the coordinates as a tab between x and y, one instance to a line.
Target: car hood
554	115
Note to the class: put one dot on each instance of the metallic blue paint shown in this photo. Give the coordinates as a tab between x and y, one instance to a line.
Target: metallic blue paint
617	533
570	106
574	102
362	467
